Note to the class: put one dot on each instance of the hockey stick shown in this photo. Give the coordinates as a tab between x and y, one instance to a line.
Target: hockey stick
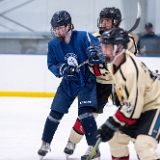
83	63
94	148
138	18
91	44
86	61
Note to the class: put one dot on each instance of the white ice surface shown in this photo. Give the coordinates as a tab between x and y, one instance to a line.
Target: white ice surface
21	125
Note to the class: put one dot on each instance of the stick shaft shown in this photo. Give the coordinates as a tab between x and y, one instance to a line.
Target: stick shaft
94	148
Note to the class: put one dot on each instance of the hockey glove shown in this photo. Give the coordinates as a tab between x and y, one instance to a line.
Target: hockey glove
107	130
95	55
154	75
66	70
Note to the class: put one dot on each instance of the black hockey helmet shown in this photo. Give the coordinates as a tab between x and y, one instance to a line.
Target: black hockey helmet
110	13
115	36
61	18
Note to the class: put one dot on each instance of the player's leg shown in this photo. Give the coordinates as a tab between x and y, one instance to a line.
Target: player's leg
145	146
87	103
50	128
119	143
77	132
88	122
103	93
119	146
148	135
59	107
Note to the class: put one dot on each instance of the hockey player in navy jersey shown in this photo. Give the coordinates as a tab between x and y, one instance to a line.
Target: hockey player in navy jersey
65	52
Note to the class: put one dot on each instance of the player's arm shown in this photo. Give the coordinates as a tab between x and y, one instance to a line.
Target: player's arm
133	94
52	61
132	45
57	68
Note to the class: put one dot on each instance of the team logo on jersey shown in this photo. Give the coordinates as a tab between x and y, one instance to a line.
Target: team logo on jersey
71	59
81	129
128	107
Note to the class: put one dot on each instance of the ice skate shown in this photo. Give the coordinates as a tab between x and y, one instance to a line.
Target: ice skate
69	149
88	152
45	147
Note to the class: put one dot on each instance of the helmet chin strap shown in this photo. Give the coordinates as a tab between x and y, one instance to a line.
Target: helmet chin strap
117	50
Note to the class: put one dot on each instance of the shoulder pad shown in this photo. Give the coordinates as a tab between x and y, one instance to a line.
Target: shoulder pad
96	34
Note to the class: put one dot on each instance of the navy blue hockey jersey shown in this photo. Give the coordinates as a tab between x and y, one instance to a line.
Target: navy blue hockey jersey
73	53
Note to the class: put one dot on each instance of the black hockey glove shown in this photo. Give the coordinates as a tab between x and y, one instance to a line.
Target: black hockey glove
95	55
66	70
154	75
107	130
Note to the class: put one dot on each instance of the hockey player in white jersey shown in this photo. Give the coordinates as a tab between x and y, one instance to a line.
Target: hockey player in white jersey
139	95
108	18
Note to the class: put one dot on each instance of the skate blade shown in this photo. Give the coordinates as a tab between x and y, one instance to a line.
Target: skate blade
98	158
67	156
41	157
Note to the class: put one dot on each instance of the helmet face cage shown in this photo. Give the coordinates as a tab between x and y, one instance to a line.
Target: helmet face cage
110	13
61	18
118	38
53	31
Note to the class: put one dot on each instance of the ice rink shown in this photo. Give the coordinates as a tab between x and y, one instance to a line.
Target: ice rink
21	126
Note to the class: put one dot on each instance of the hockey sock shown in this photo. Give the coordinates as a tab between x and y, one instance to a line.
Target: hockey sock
88	123
51	125
78	127
77	132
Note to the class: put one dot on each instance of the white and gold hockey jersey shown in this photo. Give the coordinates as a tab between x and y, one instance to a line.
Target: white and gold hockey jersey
101	72
137	89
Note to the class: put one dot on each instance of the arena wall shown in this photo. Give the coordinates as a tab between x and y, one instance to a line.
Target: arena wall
28	75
